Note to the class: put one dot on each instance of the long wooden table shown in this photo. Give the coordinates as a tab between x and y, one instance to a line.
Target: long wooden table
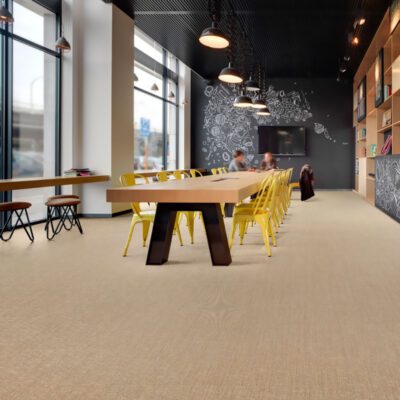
196	194
32	183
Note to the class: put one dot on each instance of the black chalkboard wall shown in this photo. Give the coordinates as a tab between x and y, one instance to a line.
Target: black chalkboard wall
323	106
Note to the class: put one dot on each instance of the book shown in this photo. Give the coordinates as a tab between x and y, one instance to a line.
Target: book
78	172
387	91
387	147
372	150
387	118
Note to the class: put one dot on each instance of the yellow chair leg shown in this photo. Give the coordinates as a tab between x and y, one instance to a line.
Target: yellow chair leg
232	235
146	227
178	232
190	223
128	242
242	231
271	232
262	221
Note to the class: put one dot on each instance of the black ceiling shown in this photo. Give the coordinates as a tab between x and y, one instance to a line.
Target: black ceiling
296	38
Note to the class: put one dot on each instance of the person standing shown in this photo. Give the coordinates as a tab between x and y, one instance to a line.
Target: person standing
268	162
238	163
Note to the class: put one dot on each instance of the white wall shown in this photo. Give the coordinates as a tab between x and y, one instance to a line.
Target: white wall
97	103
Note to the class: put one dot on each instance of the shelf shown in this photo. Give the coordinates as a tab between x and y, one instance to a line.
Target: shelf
370	178
372	112
362	140
385	128
386	104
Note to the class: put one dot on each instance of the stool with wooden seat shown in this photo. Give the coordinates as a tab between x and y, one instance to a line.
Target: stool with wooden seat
64	209
16	208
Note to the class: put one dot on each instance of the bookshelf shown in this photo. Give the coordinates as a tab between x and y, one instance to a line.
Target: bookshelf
379	122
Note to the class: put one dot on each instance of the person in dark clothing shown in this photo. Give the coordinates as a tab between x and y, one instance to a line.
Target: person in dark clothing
306	182
238	163
268	162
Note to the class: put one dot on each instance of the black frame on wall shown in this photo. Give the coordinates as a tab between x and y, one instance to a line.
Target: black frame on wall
7	38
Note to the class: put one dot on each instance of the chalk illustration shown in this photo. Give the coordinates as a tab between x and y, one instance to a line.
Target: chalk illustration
228	128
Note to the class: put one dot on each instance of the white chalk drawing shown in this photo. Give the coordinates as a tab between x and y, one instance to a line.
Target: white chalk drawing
387	181
228	128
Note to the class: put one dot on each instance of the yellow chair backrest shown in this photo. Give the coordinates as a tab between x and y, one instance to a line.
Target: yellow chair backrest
194	173
180	174
163	176
129	179
221	170
214	171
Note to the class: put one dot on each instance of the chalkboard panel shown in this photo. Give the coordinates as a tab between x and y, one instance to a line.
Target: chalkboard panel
387	185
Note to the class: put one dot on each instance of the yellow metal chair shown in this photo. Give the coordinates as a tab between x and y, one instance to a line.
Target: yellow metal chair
163	176
258	212
214	171
145	217
222	170
194	173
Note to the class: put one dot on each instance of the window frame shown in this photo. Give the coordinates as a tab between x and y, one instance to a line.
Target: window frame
7	38
166	75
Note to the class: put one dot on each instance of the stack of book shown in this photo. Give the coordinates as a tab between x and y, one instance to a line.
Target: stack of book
78	172
387	91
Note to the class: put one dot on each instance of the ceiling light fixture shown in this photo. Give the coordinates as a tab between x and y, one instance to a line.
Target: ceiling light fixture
230	74
252	85
135	77
154	87
171	95
5	15
243	101
264	112
213	37
63	44
259	103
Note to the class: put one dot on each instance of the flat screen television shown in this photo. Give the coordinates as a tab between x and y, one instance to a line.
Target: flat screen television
282	140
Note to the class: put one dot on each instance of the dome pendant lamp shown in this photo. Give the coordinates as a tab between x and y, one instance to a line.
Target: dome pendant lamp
242	101
264	112
5	15
252	85
214	38
63	44
230	75
259	103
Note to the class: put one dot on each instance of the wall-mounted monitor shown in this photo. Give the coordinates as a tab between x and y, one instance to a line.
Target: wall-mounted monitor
282	140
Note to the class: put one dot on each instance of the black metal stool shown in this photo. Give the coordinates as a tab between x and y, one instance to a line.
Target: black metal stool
17	208
64	209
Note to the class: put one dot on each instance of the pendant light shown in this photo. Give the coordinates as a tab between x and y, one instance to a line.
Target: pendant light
154	87
230	74
259	103
213	37
264	112
252	85
63	44
171	95
5	15
135	77
242	101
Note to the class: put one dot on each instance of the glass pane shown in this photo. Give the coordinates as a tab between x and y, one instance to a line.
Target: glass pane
148	46
34	116
148	128
171	136
171	62
34	22
147	78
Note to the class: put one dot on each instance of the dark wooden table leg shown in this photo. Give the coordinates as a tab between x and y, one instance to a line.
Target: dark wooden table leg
216	234
161	235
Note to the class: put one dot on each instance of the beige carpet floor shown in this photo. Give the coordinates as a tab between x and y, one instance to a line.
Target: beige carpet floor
320	320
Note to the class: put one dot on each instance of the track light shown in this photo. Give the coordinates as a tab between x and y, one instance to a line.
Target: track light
5	15
353	39
63	44
242	101
214	38
230	75
342	69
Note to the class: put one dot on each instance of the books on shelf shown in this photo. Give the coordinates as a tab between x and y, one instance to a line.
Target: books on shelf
387	146
387	118
372	150
387	91
78	172
363	134
362	152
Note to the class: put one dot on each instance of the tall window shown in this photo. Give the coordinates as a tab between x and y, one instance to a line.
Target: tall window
30	92
155	106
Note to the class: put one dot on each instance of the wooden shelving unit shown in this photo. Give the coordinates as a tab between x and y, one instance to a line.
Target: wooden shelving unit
371	131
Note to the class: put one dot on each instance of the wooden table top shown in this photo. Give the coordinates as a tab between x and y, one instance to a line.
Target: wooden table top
32	183
225	188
